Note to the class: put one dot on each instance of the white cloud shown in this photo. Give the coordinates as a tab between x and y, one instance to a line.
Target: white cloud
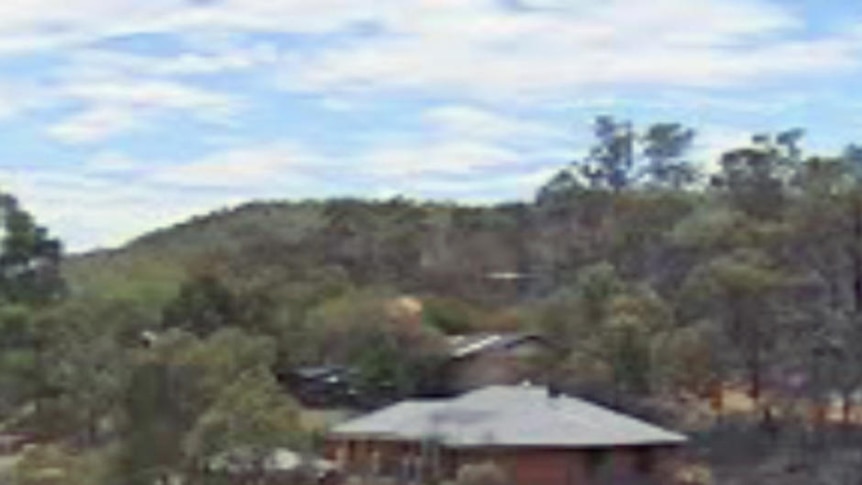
692	102
116	106
491	53
93	125
27	25
89	211
112	162
475	48
262	167
336	104
150	94
17	100
464	142
460	122
712	141
468	46
405	163
249	168
503	186
205	60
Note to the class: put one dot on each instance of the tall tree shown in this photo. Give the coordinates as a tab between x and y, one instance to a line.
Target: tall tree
624	157
665	148
740	289
611	162
606	333
204	305
88	369
29	257
250	419
755	179
182	391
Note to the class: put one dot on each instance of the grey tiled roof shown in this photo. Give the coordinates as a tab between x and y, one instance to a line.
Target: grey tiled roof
508	416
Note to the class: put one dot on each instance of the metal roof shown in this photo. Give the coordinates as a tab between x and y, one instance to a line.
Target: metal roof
523	416
322	372
467	345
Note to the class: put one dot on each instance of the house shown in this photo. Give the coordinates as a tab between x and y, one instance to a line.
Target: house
537	437
484	359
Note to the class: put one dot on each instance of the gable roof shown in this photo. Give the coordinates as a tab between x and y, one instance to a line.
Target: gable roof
519	416
461	346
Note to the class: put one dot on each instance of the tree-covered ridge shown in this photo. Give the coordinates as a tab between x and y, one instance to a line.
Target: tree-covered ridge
655	281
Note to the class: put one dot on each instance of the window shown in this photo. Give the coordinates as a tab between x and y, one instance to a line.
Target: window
645	461
598	463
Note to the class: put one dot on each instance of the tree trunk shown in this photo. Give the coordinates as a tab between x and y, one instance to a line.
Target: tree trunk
755	383
857	256
845	409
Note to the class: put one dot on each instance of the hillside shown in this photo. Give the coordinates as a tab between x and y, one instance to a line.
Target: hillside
397	243
165	255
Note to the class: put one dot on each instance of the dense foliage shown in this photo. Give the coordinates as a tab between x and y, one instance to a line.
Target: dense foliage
655	279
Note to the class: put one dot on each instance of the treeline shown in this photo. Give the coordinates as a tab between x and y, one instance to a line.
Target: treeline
651	275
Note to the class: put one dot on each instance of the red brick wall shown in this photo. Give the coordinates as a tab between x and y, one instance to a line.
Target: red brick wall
547	467
582	467
524	466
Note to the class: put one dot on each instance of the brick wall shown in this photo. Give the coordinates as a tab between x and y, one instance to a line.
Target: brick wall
524	466
548	468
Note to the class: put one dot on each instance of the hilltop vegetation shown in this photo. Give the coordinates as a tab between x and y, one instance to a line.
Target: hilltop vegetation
653	281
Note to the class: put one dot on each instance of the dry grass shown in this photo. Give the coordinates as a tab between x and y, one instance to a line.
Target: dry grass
738	402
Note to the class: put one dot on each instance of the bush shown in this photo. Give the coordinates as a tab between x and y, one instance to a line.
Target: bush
487	473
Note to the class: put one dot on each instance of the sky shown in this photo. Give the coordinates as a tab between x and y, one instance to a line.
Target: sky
121	116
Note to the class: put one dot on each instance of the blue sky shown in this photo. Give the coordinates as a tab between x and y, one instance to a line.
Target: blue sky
119	116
